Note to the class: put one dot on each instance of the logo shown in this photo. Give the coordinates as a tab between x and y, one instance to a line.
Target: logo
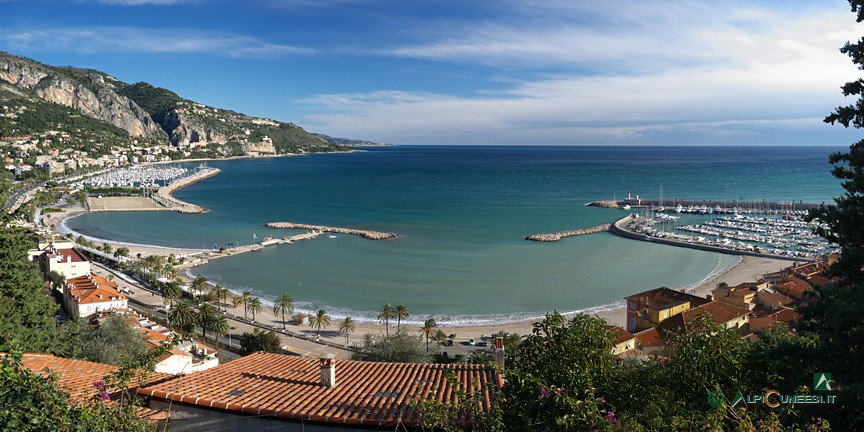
715	399
822	381
738	398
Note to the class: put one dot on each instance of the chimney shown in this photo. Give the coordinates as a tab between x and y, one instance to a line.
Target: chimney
498	353
328	371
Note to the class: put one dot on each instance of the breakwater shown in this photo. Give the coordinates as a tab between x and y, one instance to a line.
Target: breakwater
726	206
553	237
163	195
372	235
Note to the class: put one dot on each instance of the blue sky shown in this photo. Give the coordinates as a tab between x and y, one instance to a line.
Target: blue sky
475	72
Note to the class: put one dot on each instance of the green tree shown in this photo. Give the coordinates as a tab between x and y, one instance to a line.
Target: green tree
384	316
559	375
243	299
25	308
218	326
401	347
171	290
207	313
114	342
284	304
254	306
401	312
260	341
429	327
183	314
221	293
321	319
347	326
199	285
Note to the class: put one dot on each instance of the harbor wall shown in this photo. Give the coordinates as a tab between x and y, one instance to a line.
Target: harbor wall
724	204
372	235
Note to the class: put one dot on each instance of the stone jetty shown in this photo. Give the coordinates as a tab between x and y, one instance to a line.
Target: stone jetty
163	195
605	204
372	235
553	237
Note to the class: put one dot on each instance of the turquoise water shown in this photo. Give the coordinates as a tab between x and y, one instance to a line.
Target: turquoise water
461	214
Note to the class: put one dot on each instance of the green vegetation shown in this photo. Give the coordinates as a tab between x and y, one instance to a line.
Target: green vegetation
398	347
260	341
113	342
156	101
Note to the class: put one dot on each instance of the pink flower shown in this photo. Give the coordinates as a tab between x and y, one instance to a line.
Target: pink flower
104	395
543	392
611	417
559	390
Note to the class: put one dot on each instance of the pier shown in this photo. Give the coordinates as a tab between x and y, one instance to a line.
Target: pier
725	206
371	235
163	195
553	237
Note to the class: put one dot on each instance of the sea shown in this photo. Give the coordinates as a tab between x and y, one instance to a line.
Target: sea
461	214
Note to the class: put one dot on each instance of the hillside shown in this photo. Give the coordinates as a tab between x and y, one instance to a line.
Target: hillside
96	112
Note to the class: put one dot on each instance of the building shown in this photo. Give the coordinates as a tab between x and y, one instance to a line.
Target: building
86	295
61	257
624	340
186	357
728	316
763	318
742	295
279	392
650	308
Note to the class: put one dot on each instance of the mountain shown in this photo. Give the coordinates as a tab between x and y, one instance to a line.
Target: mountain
349	141
36	96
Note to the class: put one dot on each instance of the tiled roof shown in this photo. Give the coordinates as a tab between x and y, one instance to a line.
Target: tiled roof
777	297
650	337
720	312
77	377
93	289
663	296
622	335
367	393
793	286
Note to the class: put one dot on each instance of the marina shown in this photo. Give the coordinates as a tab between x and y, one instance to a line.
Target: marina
784	237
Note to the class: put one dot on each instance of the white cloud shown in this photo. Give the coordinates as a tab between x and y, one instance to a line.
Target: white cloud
137	40
656	73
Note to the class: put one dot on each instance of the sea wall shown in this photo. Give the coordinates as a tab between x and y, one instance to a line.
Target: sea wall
553	237
372	235
163	195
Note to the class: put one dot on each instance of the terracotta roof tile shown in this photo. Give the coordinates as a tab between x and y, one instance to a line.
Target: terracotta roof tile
720	312
77	376
367	393
663	296
93	289
621	335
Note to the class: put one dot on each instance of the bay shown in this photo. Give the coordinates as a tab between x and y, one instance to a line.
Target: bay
461	213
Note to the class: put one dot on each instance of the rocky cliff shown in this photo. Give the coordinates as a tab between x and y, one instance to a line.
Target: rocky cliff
88	92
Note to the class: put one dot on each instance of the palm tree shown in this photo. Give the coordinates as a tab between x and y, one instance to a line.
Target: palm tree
254	306
221	293
206	314
219	326
199	285
244	300
429	327
182	314
321	319
347	326
401	313
285	303
171	291
384	316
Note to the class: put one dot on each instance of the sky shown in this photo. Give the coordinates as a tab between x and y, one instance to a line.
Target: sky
511	72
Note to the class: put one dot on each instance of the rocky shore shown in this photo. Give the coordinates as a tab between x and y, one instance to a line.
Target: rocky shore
605	204
163	195
372	235
553	237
